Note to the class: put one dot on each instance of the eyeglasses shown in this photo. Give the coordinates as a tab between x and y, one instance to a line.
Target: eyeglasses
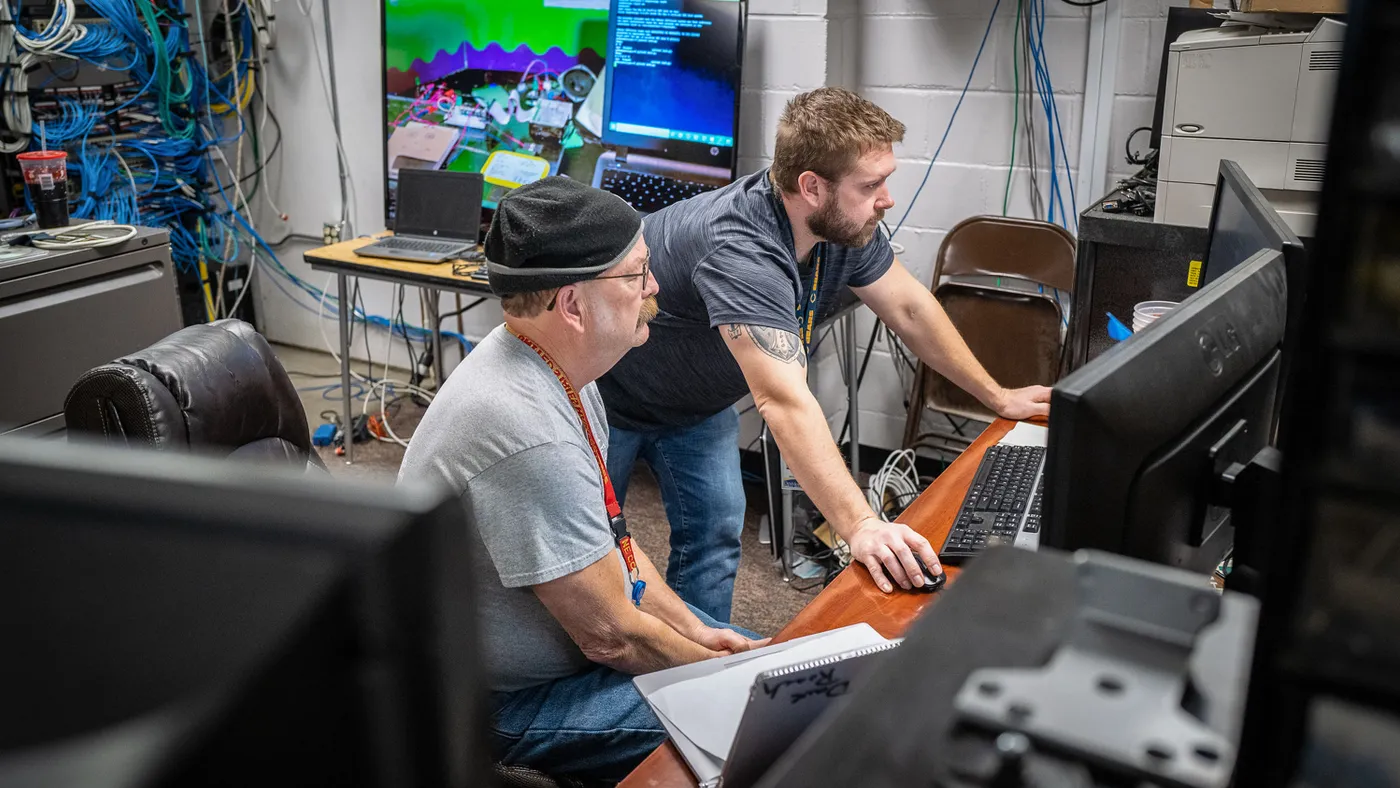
646	269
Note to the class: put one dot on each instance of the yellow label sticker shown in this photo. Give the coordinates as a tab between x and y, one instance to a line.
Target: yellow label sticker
510	169
1193	274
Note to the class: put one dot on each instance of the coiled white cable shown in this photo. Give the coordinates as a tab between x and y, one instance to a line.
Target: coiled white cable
897	477
75	235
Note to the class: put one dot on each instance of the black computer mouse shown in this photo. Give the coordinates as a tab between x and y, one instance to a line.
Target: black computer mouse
932	582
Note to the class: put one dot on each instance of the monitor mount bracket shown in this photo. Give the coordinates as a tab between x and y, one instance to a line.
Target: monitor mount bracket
1113	692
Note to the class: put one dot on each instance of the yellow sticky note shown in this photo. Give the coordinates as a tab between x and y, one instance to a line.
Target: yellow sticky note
1193	274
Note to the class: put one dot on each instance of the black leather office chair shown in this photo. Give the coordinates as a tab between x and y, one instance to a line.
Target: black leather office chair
525	777
213	388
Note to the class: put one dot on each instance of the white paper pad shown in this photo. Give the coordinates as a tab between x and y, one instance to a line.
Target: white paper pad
708	709
1025	434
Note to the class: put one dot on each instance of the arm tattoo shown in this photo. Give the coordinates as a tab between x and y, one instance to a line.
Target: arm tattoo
782	345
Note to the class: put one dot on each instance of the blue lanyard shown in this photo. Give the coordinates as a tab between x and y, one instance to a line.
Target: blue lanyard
807	310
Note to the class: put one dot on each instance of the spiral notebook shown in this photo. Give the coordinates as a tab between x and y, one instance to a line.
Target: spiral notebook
730	738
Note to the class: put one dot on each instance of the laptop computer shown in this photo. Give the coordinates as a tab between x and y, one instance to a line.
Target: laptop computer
438	219
650	183
780	703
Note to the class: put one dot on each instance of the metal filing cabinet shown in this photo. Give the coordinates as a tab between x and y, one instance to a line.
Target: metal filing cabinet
67	312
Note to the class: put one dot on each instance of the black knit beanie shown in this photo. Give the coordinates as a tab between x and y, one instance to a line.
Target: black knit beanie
556	232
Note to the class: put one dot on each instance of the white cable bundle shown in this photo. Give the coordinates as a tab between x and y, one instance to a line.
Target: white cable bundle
88	235
14	105
896	477
264	22
58	34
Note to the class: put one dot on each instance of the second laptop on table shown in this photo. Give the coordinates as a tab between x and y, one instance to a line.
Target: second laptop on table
438	217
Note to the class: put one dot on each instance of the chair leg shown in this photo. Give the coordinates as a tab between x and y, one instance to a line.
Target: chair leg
915	411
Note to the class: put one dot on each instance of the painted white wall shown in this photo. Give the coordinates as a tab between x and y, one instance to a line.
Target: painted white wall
909	56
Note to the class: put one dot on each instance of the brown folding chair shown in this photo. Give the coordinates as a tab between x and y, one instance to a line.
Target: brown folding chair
1005	284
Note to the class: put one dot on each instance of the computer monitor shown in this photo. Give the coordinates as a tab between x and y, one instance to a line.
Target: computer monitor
518	89
673	84
1140	437
180	621
1242	222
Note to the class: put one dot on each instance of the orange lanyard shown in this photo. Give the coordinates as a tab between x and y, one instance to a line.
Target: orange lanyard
807	311
616	521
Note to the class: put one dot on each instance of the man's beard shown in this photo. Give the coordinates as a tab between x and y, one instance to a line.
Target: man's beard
649	310
829	223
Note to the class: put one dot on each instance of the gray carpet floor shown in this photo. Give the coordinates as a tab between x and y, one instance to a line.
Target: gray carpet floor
763	601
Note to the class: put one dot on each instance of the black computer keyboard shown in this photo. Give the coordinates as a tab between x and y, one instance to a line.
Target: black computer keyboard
1002	505
647	192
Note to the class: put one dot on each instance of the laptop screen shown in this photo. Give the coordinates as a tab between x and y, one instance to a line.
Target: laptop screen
439	204
673	77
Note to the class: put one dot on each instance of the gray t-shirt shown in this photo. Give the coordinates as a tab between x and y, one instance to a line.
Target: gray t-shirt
502	434
726	256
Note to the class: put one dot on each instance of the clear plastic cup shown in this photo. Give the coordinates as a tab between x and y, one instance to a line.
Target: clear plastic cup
1151	310
46	177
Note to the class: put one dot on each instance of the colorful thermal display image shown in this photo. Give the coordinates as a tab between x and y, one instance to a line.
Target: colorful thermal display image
512	89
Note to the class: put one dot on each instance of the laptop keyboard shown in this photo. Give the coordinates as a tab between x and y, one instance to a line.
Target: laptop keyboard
399	243
649	193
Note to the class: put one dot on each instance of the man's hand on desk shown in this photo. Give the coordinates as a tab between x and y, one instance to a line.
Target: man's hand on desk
1018	404
875	544
726	641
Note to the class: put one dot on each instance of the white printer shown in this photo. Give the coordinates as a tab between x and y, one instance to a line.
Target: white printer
1260	98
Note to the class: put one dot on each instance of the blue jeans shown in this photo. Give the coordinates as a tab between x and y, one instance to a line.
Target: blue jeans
697	469
591	725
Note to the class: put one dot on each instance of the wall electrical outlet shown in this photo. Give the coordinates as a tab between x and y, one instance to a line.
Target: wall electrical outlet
330	233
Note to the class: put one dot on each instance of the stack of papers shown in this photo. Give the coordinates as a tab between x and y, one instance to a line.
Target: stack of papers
706	709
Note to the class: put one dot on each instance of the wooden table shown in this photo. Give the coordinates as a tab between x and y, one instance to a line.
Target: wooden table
852	597
340	259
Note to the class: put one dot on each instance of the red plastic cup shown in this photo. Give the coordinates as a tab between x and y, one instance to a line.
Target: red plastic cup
46	177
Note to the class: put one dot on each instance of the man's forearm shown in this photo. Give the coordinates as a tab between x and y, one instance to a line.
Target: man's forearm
806	445
650	644
661	602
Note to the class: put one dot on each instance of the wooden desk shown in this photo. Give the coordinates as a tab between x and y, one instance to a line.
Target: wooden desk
340	259
852	597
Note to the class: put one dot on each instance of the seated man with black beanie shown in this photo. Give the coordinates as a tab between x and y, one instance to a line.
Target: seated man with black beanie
570	607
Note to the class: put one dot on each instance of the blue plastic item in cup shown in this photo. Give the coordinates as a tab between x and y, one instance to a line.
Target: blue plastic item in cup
1116	330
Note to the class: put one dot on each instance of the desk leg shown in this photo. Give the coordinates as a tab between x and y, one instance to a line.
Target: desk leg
344	310
853	393
439	363
460	331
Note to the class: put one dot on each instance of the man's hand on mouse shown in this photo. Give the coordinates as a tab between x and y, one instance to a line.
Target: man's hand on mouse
875	544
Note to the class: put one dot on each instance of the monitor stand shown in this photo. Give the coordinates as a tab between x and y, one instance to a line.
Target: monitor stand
1252	491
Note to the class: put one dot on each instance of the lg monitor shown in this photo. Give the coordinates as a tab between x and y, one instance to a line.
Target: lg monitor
1140	437
1241	223
180	621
